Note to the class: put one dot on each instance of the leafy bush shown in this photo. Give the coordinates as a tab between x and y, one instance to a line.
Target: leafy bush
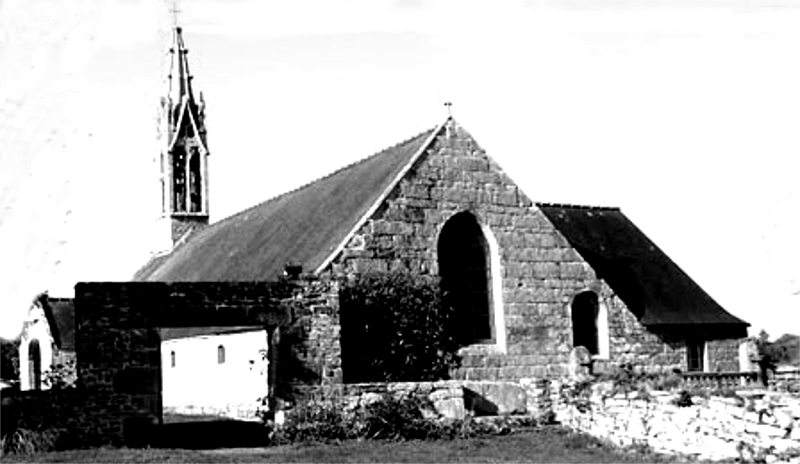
40	421
24	441
62	375
684	399
401	318
395	418
9	351
627	378
387	418
316	420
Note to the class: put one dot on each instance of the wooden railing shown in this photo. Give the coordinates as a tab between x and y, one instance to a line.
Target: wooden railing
722	379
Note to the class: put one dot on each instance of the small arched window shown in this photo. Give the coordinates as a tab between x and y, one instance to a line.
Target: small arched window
35	365
220	354
585	312
172	359
464	267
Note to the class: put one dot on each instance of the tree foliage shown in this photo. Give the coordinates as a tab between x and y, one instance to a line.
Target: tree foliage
9	351
395	328
781	351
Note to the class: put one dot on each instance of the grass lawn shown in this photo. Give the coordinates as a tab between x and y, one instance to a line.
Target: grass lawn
542	444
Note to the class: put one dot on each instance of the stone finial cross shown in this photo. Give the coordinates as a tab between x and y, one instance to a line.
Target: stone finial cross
449	106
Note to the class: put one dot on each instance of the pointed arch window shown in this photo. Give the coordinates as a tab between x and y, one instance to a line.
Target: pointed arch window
465	270
172	359
35	365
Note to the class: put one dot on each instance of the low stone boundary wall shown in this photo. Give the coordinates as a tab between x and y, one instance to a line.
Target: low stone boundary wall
750	426
757	426
454	399
447	397
754	425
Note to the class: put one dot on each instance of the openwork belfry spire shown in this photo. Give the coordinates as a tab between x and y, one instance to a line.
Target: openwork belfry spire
184	152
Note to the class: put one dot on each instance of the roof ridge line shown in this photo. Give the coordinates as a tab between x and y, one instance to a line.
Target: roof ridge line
318	179
574	206
382	197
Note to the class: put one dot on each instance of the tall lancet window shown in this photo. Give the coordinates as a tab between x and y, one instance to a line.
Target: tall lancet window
195	182
35	365
463	255
179	179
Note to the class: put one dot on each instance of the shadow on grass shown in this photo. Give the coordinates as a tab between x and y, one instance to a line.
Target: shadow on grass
209	433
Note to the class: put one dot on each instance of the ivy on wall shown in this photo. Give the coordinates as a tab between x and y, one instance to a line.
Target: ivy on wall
395	329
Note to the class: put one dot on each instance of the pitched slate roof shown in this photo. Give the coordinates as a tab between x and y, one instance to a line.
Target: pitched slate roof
305	226
308	226
645	278
60	315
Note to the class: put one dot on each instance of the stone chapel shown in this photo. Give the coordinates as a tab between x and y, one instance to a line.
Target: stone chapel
533	280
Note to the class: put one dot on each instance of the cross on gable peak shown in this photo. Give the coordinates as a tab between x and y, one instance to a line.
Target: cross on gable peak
449	106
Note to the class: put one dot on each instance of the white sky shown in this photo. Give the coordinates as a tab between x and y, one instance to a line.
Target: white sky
684	114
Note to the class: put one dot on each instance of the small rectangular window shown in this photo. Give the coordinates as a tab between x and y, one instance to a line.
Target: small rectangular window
695	352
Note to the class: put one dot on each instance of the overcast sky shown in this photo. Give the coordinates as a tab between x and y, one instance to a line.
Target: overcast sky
684	114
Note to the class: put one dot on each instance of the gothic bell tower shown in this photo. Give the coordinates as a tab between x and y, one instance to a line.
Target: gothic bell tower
183	156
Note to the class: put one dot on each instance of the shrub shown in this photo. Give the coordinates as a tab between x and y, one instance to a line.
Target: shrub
62	375
668	382
395	418
401	318
42	421
316	420
24	441
9	352
627	378
684	399
331	418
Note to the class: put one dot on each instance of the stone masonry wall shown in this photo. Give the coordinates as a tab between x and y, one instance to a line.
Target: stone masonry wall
752	425
631	344
315	331
540	271
755	426
118	343
118	354
723	355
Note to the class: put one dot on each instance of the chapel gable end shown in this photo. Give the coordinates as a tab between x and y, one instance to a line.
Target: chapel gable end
451	174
